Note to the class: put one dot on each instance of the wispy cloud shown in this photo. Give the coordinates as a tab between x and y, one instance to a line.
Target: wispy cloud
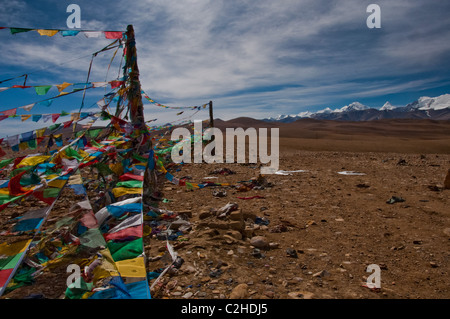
253	58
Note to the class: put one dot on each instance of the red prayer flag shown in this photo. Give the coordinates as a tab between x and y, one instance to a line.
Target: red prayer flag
128	176
40	195
10	112
14	186
116	84
55	117
67	124
113	35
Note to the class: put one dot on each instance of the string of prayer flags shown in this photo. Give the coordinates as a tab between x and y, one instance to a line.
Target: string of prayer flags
66	33
14	254
172	107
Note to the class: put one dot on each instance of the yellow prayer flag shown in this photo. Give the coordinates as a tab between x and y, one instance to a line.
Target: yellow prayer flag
48	33
117	168
15	248
40	132
58	183
120	191
25	117
34	160
63	86
132	268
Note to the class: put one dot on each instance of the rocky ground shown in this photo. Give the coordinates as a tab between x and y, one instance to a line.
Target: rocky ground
314	233
304	235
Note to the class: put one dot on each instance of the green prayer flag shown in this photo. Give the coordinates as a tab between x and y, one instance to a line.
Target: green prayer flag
54	127
94	133
139	158
18	30
72	153
32	144
130	184
51	192
42	90
125	250
5	162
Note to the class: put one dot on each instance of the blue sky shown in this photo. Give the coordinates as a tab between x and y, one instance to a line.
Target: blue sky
253	58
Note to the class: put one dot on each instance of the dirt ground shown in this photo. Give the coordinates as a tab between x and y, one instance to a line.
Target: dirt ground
320	229
336	224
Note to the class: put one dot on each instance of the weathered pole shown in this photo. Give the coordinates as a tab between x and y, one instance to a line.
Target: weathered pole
211	117
135	104
136	110
211	124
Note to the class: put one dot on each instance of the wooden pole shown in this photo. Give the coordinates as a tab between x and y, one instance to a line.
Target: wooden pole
211	117
135	104
136	109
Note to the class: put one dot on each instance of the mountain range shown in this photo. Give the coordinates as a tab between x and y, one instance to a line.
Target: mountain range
434	108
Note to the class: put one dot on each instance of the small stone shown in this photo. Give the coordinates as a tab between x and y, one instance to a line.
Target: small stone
248	232
204	214
322	273
310	223
235	234
259	242
187	295
301	295
447	180
274	245
291	253
230	252
433	264
240	292
269	293
176	293
236	215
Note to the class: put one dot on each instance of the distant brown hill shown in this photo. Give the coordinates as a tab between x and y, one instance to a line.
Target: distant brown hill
390	135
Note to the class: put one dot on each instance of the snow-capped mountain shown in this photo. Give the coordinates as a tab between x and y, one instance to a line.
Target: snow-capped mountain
355	106
431	103
387	107
437	108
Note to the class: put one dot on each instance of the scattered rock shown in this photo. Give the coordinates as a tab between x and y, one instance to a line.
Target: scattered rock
274	245
259	242
240	292
291	253
395	199
257	253
310	223
447	231
322	274
433	264
187	295
269	293
301	295
204	214
447	180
